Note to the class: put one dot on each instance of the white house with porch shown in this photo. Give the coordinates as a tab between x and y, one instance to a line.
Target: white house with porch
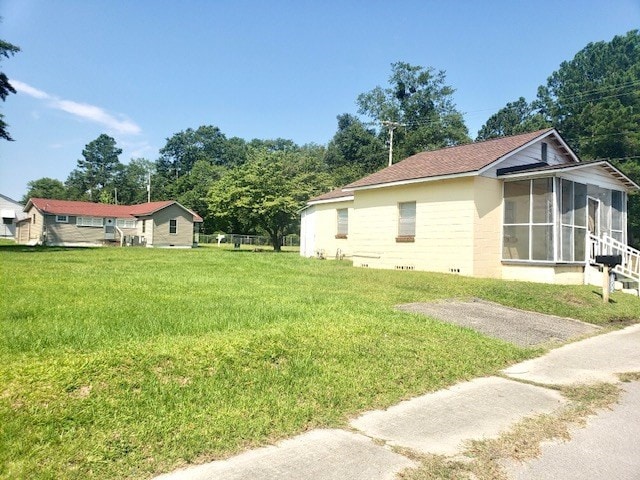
522	207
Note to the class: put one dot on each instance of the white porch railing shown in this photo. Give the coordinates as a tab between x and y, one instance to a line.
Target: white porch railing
605	245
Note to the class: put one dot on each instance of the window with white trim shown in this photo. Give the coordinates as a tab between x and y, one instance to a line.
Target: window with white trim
406	220
62	219
343	222
125	223
89	221
528	220
173	226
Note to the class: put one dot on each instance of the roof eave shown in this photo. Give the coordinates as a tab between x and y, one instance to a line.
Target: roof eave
400	183
617	174
346	198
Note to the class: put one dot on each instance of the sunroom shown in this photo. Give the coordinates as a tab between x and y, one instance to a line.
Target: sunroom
552	215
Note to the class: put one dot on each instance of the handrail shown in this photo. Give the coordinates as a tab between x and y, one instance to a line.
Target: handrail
605	245
121	235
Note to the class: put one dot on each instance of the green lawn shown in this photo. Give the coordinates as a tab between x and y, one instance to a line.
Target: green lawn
124	363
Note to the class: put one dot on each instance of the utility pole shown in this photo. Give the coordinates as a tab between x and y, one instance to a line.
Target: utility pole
148	187
391	126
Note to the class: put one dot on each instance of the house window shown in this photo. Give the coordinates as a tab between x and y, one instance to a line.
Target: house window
543	152
343	223
573	221
62	218
173	226
7	221
89	221
528	220
144	226
34	218
406	222
125	223
617	215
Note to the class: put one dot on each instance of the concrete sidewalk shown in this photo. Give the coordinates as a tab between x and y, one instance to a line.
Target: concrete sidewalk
437	423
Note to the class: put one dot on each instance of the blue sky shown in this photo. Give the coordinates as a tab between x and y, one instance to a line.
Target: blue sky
141	71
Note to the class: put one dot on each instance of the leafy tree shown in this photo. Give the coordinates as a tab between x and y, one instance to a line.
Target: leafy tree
195	187
174	177
266	192
419	99
516	117
354	151
131	181
6	50
274	145
45	188
77	186
185	148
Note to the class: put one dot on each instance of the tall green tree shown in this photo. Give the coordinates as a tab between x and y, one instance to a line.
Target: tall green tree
594	99
131	181
45	188
354	151
517	117
6	50
266	193
420	99
94	177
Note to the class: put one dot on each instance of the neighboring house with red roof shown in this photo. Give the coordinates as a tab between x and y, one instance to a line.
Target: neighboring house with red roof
72	223
522	207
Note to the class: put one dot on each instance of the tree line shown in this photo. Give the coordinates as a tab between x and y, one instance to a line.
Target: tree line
258	186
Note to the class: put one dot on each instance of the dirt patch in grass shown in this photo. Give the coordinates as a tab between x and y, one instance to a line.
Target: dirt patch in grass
622	321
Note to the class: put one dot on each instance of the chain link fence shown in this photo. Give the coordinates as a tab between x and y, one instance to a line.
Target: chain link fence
292	240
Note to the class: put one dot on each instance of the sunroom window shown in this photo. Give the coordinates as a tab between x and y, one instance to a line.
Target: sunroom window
528	220
617	215
573	208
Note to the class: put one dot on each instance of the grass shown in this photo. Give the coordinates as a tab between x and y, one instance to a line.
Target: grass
124	363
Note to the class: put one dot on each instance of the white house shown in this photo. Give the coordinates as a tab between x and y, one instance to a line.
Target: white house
522	207
11	212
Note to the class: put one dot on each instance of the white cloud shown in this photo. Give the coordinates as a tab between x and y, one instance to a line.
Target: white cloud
29	90
81	110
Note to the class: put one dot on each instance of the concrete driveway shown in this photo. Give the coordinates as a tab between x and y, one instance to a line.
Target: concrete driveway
520	327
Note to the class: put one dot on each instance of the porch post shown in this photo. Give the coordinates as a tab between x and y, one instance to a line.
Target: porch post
605	283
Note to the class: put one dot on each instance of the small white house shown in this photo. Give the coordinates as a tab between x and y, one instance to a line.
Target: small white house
522	207
11	213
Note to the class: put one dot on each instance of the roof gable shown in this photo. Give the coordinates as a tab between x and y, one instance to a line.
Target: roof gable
460	160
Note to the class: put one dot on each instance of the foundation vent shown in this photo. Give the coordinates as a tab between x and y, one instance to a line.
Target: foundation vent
405	267
454	270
